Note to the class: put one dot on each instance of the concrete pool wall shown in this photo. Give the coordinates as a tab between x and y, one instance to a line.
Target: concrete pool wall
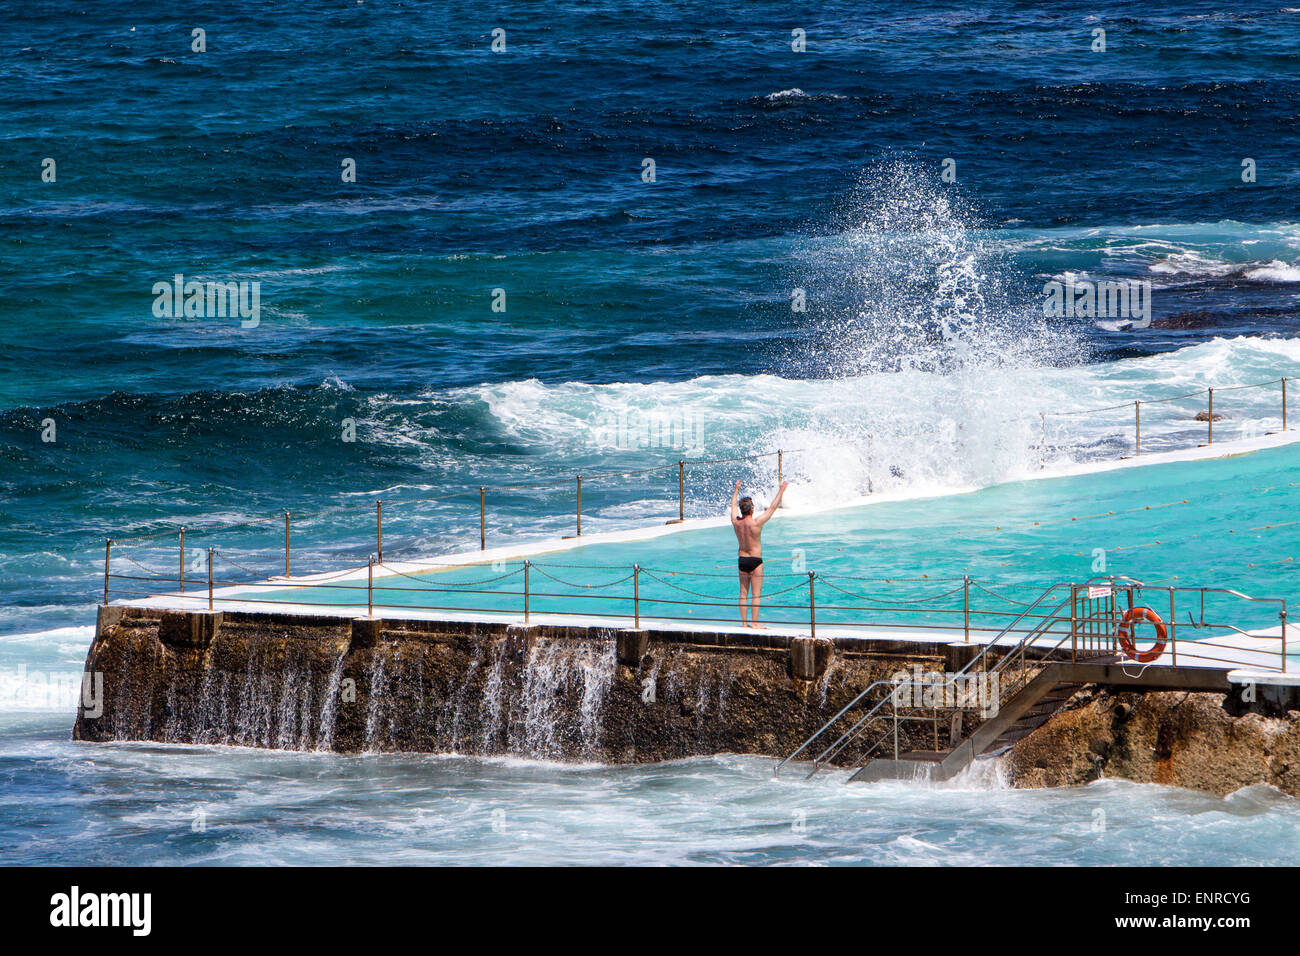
314	682
608	696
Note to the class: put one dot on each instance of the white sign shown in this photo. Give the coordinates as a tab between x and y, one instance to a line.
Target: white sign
1095	592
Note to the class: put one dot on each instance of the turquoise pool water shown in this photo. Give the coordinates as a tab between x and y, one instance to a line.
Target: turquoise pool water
1228	522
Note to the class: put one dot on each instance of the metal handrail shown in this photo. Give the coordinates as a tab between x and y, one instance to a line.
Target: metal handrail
1017	651
1028	612
853	732
826	726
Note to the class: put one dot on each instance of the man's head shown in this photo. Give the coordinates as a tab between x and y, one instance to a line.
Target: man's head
746	507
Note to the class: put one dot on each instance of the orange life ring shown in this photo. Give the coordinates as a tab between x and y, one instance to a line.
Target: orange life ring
1125	634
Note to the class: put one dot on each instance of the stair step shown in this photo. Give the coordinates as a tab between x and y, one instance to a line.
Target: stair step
1039	714
1022	729
933	756
996	735
1012	736
1041	717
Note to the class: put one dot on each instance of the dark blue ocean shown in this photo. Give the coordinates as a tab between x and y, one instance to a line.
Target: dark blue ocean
505	285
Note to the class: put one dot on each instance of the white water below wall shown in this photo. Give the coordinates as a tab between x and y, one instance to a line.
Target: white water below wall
138	802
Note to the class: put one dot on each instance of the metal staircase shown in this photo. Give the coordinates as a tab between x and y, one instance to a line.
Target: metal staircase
1026	710
1017	687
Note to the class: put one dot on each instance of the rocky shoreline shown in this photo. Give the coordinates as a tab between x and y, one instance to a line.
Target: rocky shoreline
1196	740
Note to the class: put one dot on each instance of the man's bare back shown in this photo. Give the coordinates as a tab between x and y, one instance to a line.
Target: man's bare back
749	537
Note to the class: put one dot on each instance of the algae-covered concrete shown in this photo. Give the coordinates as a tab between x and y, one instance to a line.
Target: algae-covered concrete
314	682
341	684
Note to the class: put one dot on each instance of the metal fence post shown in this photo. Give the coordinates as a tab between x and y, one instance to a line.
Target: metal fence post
482	518
1173	628
286	544
966	608
211	552
780	465
1284	403
108	556
636	596
1112	633
379	530
370	585
1137	423
1211	417
894	697
1283	616
182	575
1074	624
681	490
812	605
527	565
580	506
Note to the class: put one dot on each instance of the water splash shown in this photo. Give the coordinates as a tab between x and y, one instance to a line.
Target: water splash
255	715
933	342
492	706
329	709
985	773
460	698
557	674
377	694
907	281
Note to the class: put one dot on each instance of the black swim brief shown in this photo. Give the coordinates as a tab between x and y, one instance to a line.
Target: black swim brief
749	565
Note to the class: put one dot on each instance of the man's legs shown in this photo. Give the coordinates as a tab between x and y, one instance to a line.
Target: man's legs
744	599
756	588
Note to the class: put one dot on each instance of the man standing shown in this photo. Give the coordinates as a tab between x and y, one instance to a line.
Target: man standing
749	536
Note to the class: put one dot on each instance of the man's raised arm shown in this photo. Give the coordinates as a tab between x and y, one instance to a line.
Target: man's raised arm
735	495
776	503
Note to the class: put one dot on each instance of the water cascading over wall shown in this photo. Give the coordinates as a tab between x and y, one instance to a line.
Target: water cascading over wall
336	684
